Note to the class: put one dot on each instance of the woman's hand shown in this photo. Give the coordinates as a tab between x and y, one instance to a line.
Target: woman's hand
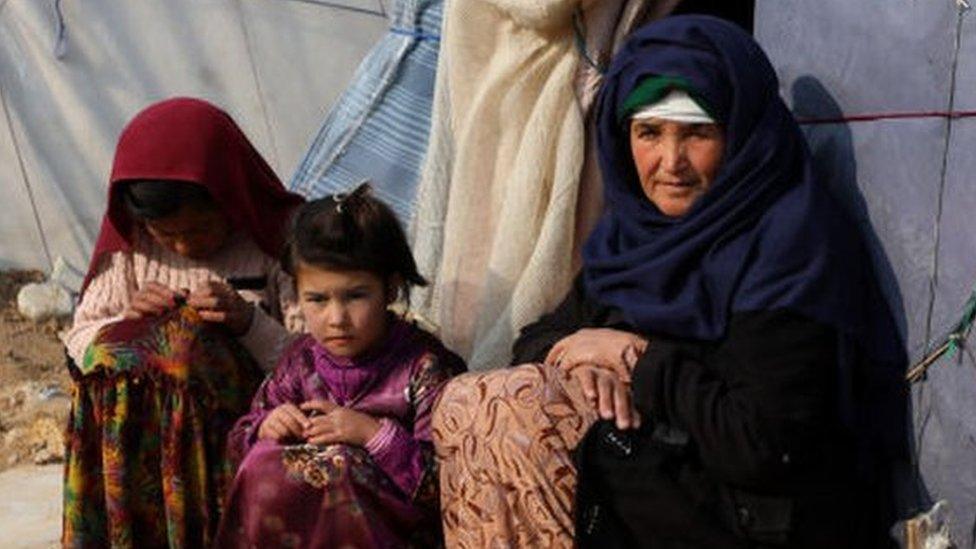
284	422
608	393
217	302
151	300
333	424
613	349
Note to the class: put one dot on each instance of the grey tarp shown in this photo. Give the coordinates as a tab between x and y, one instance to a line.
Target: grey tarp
275	65
911	181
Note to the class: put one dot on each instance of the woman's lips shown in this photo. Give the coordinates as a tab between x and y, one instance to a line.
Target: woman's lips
679	184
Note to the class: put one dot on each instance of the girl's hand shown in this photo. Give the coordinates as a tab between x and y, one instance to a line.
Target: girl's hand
217	302
608	393
613	349
333	424
284	422
151	300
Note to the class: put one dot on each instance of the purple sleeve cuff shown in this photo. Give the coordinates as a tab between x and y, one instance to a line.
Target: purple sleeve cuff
396	452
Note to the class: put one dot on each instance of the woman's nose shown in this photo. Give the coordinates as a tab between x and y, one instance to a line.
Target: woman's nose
673	155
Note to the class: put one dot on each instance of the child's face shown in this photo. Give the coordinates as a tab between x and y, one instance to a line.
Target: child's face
196	233
345	311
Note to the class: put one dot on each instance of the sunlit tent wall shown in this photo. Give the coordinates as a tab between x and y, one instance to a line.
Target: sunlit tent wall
876	84
73	72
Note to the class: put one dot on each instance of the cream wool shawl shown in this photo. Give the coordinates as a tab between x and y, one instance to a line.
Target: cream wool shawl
501	208
504	227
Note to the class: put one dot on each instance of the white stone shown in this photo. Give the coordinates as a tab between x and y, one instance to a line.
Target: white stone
43	301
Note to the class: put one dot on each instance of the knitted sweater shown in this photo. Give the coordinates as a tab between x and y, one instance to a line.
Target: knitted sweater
121	274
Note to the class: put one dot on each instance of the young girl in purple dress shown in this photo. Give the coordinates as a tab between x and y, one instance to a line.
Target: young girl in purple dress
336	450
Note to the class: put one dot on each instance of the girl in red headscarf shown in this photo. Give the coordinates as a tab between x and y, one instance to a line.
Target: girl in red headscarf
183	307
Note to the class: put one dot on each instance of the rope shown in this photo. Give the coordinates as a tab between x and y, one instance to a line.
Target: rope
953	342
873	117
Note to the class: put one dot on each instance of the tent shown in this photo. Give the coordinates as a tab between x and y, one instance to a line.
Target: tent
885	93
72	73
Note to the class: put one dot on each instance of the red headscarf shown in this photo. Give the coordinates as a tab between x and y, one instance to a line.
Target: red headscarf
191	140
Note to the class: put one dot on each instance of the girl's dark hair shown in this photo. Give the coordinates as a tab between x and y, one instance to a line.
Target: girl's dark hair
352	232
157	199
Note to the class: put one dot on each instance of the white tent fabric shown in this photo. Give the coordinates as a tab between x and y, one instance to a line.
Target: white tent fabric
275	65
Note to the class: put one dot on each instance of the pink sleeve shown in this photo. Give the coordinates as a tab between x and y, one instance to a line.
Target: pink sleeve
106	297
281	386
396	452
405	453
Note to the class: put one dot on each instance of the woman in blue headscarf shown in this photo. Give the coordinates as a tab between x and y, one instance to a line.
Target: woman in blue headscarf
726	348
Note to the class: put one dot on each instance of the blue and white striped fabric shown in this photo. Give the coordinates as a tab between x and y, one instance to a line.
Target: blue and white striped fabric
378	129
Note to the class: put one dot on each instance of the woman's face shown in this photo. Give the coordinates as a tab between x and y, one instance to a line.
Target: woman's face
193	231
676	162
345	311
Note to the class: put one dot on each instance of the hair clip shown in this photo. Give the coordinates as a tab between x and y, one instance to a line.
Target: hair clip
339	198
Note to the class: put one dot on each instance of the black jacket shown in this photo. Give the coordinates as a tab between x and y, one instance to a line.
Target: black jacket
741	444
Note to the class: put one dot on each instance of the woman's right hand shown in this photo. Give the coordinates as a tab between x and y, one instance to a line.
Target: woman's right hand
284	422
608	393
613	349
153	299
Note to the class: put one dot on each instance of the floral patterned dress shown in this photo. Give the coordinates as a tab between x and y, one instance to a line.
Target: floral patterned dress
153	401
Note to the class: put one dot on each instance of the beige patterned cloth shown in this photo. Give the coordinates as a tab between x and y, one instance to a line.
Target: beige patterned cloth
504	439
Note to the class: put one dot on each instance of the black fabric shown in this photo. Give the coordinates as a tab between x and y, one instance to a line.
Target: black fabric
741	446
575	312
741	12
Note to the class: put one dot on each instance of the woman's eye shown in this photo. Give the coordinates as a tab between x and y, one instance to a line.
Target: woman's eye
704	132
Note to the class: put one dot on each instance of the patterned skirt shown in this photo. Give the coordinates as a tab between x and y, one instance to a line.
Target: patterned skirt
151	406
330	496
504	440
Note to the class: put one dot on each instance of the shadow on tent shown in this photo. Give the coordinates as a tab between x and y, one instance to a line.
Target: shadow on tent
834	163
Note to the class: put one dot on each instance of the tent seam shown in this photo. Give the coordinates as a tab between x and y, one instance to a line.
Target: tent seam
934	279
26	179
257	84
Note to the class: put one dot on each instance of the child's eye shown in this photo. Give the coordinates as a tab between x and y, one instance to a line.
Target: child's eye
316	298
357	295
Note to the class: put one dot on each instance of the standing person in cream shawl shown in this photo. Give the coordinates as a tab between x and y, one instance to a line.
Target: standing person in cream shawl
497	203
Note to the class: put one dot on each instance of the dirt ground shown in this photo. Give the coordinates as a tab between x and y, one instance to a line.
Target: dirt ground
34	383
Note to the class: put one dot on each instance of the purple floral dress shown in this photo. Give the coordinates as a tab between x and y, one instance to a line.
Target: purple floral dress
382	495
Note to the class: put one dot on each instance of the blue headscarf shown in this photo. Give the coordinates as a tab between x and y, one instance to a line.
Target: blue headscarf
764	236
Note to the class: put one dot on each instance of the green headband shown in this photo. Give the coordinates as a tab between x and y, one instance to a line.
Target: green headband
652	89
